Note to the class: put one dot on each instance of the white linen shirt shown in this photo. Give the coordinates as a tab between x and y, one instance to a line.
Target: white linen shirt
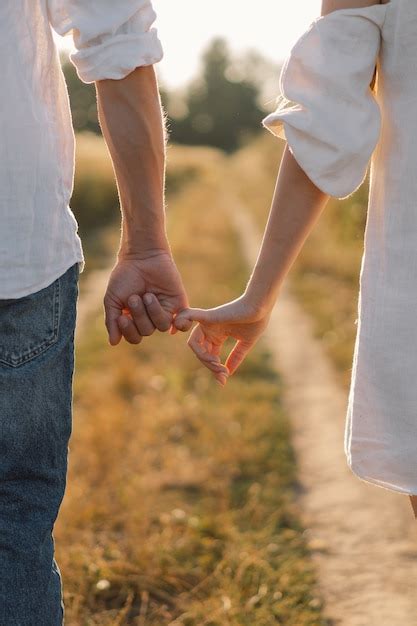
38	235
335	125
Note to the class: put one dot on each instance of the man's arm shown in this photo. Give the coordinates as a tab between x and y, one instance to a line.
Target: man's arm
115	47
132	123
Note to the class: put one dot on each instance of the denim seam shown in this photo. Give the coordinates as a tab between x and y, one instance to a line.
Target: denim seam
27	356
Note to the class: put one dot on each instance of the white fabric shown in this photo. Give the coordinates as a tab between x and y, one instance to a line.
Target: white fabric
381	422
333	125
111	38
38	235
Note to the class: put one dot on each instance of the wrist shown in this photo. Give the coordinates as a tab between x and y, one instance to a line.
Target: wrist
137	250
140	253
260	299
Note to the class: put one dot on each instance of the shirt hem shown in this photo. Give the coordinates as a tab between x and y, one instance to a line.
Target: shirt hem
21	293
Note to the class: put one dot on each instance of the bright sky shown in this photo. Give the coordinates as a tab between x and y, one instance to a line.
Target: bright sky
186	26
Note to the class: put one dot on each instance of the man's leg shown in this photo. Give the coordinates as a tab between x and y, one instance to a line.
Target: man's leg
36	368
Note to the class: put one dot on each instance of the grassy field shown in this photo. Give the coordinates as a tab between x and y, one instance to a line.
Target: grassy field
181	504
325	276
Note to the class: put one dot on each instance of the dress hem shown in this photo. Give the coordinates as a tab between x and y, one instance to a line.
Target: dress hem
378	482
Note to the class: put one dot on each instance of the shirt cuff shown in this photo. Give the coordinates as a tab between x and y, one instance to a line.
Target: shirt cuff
328	115
118	56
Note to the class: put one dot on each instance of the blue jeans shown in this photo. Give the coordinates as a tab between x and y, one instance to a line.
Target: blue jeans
36	369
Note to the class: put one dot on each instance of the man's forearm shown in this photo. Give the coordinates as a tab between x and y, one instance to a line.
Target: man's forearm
132	123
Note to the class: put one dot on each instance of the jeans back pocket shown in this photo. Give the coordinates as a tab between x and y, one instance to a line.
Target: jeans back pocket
29	325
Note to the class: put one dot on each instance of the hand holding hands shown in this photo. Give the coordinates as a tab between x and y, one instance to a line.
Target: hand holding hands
147	294
143	295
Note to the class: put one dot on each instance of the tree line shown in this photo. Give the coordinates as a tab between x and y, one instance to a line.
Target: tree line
222	107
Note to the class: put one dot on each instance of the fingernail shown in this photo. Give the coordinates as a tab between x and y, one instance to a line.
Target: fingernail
147	298
134	302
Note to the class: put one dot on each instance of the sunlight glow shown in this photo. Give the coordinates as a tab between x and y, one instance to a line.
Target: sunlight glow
185	28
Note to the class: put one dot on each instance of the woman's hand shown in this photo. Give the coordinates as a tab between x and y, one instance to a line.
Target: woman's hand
237	319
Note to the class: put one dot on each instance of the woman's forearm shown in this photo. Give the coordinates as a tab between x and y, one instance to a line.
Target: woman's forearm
328	6
296	207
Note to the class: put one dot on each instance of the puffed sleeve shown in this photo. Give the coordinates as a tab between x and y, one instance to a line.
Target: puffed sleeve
328	113
111	38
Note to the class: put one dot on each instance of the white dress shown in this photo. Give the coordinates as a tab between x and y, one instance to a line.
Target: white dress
335	125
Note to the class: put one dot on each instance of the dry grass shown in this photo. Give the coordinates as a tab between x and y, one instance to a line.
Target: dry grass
181	505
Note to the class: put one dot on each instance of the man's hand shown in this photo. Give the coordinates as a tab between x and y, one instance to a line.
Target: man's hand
143	295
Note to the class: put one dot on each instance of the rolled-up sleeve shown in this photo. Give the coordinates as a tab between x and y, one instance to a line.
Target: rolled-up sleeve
328	113
111	38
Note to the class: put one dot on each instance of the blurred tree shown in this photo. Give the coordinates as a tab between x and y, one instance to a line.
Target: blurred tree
83	100
221	107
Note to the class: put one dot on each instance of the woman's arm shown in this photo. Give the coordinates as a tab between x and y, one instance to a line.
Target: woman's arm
298	201
296	206
327	6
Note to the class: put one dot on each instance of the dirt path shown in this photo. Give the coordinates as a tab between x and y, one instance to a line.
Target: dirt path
364	538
